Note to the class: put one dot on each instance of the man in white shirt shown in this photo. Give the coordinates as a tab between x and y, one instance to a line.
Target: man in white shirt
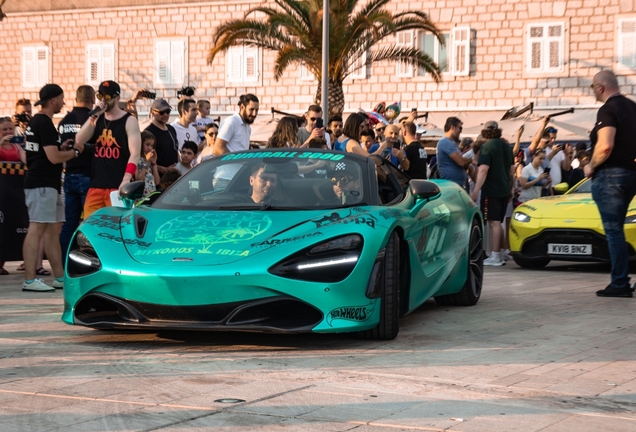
234	133
184	126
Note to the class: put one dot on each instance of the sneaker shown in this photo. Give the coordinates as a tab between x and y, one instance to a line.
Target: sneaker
505	254
611	291
494	260
57	284
36	285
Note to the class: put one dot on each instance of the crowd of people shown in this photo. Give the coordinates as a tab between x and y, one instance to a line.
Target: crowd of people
100	147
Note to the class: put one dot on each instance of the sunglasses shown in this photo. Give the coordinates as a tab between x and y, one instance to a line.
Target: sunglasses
266	178
313	119
106	97
380	129
164	112
342	180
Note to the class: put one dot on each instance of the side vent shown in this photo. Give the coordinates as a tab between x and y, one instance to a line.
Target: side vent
140	225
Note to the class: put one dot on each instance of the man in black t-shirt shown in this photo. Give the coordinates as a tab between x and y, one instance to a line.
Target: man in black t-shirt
77	173
117	146
42	182
415	153
167	144
613	172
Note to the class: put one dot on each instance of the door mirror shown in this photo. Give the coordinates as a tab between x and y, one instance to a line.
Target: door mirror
132	192
424	189
561	188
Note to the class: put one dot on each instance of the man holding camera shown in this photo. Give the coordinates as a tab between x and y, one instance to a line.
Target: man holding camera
315	127
42	186
117	146
22	116
77	176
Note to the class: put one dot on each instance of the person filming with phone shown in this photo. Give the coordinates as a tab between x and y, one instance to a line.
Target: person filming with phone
10	149
534	178
315	127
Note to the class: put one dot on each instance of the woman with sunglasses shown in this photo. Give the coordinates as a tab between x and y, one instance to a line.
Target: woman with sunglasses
349	141
211	132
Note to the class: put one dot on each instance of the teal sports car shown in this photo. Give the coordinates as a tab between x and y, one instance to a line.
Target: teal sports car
277	241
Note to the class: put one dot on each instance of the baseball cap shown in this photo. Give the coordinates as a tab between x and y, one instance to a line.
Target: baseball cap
109	88
552	130
160	105
491	125
49	91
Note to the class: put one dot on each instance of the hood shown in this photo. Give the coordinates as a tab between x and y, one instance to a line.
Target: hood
573	206
223	237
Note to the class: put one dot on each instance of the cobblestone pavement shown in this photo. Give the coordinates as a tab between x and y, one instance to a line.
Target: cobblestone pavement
540	352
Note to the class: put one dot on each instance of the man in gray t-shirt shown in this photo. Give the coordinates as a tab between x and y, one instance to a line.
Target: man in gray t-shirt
450	163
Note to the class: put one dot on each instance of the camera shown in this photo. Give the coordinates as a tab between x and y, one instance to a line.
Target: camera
21	118
148	94
17	139
186	91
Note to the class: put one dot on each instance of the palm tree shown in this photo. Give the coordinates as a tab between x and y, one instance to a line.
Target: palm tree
294	30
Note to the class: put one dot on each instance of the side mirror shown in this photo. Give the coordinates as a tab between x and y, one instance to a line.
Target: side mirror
132	192
424	189
561	188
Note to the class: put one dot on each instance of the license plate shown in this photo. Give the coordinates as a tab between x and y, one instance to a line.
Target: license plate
569	249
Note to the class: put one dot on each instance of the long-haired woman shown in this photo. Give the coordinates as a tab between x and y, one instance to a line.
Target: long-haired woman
349	141
285	134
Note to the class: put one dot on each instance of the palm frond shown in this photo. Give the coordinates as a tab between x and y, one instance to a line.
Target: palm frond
408	54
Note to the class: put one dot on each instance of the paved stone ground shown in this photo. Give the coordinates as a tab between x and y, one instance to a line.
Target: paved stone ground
539	352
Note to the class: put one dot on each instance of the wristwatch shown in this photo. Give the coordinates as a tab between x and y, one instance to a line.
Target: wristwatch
77	152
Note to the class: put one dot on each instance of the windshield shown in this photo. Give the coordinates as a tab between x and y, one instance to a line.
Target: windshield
274	180
585	187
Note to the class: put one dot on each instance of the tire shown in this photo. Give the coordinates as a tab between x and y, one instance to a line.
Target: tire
389	324
471	291
531	263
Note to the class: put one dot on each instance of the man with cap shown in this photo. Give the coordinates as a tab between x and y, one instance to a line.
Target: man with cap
77	173
167	144
494	172
117	142
345	183
42	184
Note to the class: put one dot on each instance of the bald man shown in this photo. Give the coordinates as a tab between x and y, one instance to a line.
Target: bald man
613	173
394	150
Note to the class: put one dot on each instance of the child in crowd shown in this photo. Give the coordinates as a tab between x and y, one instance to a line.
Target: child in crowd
168	178
583	157
147	165
534	177
211	132
188	154
367	139
203	119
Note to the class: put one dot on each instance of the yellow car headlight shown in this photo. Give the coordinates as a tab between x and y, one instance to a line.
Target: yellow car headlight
521	217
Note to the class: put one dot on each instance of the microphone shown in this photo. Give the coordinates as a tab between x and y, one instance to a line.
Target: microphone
94	111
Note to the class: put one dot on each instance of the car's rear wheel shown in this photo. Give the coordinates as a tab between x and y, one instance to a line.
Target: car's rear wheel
531	263
389	324
471	291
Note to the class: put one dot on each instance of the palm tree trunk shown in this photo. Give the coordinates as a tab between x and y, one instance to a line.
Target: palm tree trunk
336	98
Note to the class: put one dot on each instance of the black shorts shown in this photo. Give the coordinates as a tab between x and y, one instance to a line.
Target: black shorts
494	208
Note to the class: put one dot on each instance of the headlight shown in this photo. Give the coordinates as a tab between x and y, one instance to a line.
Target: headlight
630	219
329	261
521	217
82	259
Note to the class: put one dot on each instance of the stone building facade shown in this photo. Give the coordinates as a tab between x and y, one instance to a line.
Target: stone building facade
500	53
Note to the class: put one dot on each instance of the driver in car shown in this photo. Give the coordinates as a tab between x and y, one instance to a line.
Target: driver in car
263	184
345	184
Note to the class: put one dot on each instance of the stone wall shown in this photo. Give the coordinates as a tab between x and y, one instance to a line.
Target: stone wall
497	75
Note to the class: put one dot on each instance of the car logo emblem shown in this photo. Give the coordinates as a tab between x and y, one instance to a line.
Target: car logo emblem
569	220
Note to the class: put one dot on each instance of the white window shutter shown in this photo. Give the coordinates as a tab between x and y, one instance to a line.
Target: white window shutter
177	62
405	39
305	74
93	64
251	64
108	62
162	62
360	67
28	67
42	68
460	40
233	64
627	43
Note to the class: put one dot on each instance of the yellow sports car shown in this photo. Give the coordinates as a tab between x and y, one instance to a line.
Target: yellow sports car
565	227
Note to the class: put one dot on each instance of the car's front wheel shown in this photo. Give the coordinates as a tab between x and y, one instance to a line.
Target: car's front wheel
389	324
530	263
471	291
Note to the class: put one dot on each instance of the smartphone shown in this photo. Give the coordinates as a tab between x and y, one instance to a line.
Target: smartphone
319	123
386	152
71	144
546	170
17	139
397	145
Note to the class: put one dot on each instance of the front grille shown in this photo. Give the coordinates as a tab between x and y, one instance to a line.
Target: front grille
537	246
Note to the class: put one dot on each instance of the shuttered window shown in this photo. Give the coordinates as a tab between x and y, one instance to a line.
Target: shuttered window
359	67
100	62
627	43
35	66
545	47
404	69
170	62
305	74
460	49
242	64
429	44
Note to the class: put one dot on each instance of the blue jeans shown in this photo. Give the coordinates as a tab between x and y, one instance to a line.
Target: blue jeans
75	188
613	189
